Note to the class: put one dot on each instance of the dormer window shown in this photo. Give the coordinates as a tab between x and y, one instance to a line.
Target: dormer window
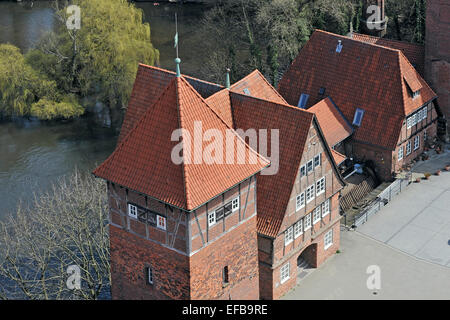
357	119
303	100
415	94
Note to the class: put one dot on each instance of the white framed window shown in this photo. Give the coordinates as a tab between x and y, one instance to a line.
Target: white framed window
298	228
316	215
288	235
149	275
400	153
161	222
424	113
326	208
303	171
317	160
320	186
235	204
416	142
310	193
211	218
132	211
408	148
300	201
285	272
307	220
309	166
328	239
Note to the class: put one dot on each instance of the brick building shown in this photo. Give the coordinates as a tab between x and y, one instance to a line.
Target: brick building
375	87
217	231
437	52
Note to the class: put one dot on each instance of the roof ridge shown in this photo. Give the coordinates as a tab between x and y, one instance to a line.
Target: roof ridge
275	90
389	40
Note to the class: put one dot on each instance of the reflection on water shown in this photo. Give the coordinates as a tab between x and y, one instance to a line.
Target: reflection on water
32	154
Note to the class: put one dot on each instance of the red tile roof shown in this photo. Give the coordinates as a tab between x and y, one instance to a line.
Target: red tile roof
413	51
333	124
143	161
273	191
362	75
149	84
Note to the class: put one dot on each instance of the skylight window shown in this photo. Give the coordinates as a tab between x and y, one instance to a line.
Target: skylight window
322	91
339	47
359	113
247	91
303	100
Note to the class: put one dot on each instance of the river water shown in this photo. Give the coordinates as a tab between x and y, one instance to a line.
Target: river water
35	154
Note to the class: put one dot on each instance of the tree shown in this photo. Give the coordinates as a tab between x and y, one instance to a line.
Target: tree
100	60
64	227
22	88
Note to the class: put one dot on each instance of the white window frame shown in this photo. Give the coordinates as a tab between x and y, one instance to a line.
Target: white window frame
400	153
211	218
326	208
316	215
320	186
300	201
298	229
424	113
289	235
132	210
303	168
161	222
319	156
408	148
311	191
149	275
409	123
416	142
307	221
235	204
328	239
285	273
307	166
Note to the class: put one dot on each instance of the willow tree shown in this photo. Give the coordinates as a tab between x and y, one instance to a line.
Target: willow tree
100	59
25	91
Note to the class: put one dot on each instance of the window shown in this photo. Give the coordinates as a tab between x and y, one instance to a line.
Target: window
359	113
408	148
416	94
132	211
310	166
298	228
225	278
303	100
308	221
284	273
320	186
322	91
328	239
325	208
247	91
302	171
235	204
211	218
310	193
300	201
400	153
149	275
316	215
409	122
288	235
317	160
161	222
416	142
424	112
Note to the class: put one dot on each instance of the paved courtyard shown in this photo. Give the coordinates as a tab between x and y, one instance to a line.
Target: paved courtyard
344	276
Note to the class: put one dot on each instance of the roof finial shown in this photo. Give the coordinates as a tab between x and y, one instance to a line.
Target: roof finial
177	59
177	62
228	78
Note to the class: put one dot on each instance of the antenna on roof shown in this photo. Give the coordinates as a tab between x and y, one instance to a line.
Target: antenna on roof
177	59
228	79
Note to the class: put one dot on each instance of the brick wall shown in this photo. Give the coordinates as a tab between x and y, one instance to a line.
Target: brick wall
437	51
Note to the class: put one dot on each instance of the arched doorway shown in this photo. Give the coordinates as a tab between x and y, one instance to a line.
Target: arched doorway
306	261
